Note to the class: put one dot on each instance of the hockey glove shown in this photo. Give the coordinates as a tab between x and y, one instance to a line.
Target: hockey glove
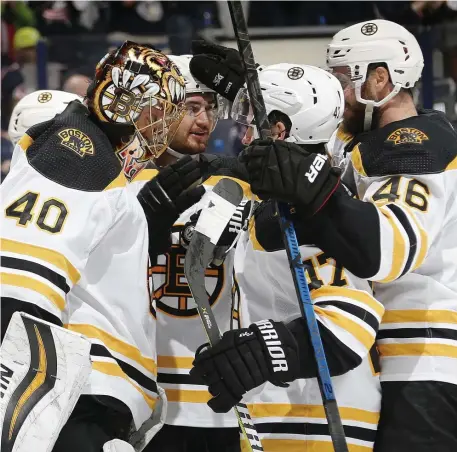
219	68
165	197
289	173
245	359
212	165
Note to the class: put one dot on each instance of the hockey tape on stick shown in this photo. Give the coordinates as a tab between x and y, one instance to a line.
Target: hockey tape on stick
198	256
289	236
215	216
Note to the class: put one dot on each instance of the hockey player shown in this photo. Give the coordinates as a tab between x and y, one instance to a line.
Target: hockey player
74	254
190	424
400	234
36	107
305	105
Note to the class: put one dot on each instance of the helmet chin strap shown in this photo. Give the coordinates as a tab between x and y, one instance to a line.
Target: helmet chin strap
367	121
371	104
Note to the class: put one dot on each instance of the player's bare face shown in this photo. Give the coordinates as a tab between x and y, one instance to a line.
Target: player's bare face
193	133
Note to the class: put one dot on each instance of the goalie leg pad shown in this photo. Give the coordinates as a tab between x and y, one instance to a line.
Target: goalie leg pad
117	445
43	371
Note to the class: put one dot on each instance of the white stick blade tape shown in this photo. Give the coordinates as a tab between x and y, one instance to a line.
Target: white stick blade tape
215	216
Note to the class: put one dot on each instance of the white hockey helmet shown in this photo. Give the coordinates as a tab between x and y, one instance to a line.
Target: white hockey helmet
377	41
36	107
312	98
192	84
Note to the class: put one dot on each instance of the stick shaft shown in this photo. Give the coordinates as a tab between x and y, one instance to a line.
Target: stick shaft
289	236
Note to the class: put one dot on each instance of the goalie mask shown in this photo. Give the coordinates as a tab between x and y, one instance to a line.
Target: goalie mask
139	86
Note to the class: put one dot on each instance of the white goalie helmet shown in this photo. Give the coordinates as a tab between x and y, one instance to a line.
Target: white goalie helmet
376	41
36	107
311	97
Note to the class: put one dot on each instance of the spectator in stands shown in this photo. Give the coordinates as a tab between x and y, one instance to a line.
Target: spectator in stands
25	42
13	89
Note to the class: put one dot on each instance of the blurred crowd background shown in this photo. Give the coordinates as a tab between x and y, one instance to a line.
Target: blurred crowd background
56	44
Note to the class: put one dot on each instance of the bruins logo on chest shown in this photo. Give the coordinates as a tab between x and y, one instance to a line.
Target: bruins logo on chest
171	291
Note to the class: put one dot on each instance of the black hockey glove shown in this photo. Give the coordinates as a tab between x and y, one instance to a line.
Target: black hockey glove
245	359
214	165
287	172
219	68
165	197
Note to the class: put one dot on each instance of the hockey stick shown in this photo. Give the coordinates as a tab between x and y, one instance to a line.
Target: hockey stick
224	199
289	236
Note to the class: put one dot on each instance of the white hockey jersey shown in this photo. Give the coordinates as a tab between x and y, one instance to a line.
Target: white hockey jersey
294	418
74	246
179	328
408	170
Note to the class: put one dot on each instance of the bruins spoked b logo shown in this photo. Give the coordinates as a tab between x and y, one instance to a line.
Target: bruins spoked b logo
44	97
171	291
295	73
369	29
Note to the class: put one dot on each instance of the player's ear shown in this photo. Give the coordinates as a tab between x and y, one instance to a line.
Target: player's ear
278	130
382	78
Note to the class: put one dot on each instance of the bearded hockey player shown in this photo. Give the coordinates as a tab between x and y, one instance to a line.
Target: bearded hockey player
74	249
190	424
400	234
305	105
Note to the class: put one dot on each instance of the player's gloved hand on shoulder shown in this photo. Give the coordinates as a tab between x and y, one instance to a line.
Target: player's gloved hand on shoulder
245	359
165	197
289	173
219	68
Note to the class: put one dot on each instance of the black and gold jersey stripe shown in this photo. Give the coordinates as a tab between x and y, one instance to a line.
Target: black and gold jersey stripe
314	429
131	371
40	270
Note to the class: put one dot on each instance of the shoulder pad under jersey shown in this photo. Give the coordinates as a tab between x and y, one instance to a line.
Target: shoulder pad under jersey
423	144
72	151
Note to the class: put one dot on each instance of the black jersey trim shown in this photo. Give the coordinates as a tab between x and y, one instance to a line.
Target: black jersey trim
179	379
426	333
403	219
356	311
314	429
131	371
38	269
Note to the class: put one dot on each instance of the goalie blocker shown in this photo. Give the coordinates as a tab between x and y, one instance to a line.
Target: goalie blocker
43	371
